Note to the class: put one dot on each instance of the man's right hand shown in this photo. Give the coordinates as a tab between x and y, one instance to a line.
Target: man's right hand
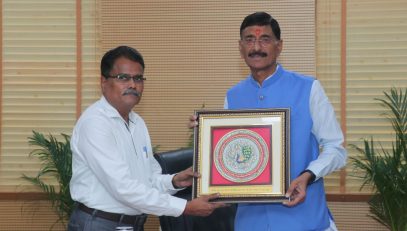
192	121
202	207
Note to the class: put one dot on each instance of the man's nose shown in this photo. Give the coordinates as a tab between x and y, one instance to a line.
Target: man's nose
256	45
136	86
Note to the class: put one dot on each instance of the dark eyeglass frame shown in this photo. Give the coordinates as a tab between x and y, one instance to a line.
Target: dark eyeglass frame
123	77
263	41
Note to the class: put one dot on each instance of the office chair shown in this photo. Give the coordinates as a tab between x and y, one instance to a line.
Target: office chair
221	219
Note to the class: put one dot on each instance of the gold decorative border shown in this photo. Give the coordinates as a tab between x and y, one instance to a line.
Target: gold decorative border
207	119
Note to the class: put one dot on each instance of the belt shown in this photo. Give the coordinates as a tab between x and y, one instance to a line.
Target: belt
137	220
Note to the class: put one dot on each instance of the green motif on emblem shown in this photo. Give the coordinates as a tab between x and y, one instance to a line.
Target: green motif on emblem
245	155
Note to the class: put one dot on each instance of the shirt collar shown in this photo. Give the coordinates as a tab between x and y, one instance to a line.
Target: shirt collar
113	113
271	78
274	73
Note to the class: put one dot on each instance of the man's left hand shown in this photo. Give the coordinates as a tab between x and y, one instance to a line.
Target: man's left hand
297	190
184	178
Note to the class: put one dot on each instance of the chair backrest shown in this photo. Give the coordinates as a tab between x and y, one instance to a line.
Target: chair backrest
220	220
175	161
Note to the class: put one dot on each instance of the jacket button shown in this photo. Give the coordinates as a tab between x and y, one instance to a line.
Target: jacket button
261	97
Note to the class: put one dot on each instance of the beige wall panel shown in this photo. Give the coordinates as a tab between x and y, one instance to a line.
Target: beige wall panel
90	52
191	53
328	64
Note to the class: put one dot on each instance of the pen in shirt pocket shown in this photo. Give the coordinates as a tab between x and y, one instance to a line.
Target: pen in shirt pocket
145	151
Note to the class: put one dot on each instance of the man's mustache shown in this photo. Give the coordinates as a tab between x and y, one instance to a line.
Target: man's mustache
257	53
132	91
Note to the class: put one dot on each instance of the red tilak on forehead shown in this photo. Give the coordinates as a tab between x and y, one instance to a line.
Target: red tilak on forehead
257	32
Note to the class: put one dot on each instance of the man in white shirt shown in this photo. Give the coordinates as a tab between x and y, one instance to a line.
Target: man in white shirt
116	180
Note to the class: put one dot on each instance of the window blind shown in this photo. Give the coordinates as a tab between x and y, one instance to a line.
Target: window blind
376	61
39	78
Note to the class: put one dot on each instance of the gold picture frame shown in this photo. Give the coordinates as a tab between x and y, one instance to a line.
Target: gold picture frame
242	154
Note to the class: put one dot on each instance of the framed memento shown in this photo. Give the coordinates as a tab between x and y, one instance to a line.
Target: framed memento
242	154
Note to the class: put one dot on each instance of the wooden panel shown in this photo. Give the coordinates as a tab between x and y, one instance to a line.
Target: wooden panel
37	215
354	216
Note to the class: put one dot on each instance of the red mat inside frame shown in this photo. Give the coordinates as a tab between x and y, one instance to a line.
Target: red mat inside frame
216	177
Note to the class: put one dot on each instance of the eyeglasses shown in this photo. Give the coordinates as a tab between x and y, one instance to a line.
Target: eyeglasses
263	41
124	78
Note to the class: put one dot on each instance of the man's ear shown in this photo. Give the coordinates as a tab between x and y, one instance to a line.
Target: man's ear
103	81
280	47
241	48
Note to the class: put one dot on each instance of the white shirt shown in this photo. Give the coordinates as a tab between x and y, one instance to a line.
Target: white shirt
113	168
327	132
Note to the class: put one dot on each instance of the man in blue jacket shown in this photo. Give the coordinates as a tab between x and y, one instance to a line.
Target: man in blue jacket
315	136
313	126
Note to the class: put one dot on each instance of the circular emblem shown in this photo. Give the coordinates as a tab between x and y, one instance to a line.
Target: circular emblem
241	155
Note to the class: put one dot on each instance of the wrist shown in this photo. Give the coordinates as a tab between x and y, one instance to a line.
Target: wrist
186	210
173	182
312	176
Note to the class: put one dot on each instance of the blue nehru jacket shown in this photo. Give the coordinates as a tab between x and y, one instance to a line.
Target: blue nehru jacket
284	90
